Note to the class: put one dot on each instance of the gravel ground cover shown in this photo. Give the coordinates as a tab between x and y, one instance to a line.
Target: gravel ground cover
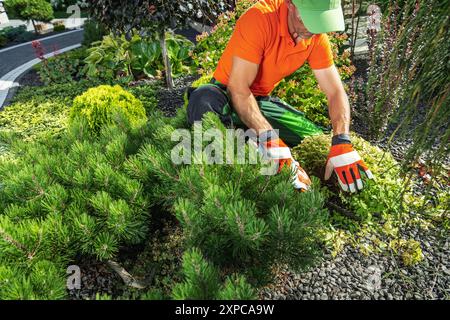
352	275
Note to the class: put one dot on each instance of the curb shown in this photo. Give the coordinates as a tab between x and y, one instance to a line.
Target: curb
8	80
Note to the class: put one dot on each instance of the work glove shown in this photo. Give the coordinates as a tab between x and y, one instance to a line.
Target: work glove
273	148
347	164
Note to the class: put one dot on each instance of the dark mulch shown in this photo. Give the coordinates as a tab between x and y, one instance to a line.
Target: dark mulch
30	78
96	277
169	101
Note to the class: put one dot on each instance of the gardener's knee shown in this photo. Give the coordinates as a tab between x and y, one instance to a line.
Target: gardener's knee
205	99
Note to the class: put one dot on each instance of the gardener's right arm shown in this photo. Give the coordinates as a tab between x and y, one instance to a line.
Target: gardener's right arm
242	75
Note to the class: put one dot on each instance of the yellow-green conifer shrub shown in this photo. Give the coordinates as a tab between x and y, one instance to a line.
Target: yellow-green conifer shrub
101	105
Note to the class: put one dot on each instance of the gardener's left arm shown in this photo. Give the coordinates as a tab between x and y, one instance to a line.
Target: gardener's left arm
342	159
339	107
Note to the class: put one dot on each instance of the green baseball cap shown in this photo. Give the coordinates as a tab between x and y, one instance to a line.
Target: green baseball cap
321	16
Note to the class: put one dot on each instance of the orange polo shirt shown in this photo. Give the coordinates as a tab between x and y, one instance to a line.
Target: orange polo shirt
262	36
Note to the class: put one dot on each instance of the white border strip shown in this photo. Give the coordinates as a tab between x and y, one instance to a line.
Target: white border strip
8	80
40	39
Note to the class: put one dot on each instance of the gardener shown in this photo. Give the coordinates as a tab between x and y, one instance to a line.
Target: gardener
271	41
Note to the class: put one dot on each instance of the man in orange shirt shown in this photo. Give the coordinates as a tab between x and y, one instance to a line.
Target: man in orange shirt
271	41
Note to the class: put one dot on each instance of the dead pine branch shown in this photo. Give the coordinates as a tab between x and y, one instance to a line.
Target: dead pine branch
126	277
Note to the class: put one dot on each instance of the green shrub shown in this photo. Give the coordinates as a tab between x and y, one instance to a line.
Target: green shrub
409	251
16	34
3	40
147	95
12	33
64	68
116	57
59	28
101	105
202	282
380	197
93	32
42	280
65	197
37	10
232	213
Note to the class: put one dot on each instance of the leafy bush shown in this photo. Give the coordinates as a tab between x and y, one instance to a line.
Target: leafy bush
409	251
3	40
99	106
381	197
116	57
299	89
35	10
123	18
59	26
15	34
64	68
93	32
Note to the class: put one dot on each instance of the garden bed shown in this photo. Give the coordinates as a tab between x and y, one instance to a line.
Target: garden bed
87	179
345	276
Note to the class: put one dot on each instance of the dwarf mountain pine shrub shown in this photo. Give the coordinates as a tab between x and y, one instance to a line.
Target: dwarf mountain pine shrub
65	197
202	281
233	214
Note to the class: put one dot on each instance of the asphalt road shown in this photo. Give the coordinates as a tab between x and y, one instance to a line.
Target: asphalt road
15	57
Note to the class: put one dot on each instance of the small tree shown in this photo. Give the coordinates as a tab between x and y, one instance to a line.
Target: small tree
150	16
34	10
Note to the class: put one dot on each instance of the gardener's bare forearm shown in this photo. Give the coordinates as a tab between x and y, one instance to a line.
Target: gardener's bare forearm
242	75
339	111
247	108
339	107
